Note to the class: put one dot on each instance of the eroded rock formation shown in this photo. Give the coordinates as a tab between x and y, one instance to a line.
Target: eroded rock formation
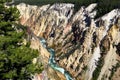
88	48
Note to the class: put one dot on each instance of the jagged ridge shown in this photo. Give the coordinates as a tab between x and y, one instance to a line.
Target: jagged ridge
85	47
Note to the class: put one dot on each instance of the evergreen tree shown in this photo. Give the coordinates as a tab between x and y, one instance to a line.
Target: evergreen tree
15	56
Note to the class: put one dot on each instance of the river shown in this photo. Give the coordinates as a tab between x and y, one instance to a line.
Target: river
52	61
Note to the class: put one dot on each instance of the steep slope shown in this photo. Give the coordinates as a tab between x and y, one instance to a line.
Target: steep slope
88	49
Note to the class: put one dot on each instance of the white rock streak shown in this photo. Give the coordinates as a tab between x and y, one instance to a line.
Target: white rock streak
110	18
91	7
59	25
93	61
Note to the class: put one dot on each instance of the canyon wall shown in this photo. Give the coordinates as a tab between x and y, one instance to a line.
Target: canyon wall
88	48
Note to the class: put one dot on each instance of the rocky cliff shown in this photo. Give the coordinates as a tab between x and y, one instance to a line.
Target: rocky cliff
88	48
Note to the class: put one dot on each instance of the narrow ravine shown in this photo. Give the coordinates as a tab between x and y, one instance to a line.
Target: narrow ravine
52	61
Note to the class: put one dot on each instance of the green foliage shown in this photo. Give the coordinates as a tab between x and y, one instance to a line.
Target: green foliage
16	58
3	1
114	69
104	6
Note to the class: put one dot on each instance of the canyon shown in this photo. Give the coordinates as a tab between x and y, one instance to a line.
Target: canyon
85	47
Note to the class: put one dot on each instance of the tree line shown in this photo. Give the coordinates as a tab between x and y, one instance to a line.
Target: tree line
104	6
16	56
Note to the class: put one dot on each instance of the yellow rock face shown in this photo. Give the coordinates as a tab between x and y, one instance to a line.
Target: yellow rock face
76	40
113	31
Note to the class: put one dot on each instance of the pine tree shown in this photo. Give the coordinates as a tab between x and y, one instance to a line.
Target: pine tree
15	57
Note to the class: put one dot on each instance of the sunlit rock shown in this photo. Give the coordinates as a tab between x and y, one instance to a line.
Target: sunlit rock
87	48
